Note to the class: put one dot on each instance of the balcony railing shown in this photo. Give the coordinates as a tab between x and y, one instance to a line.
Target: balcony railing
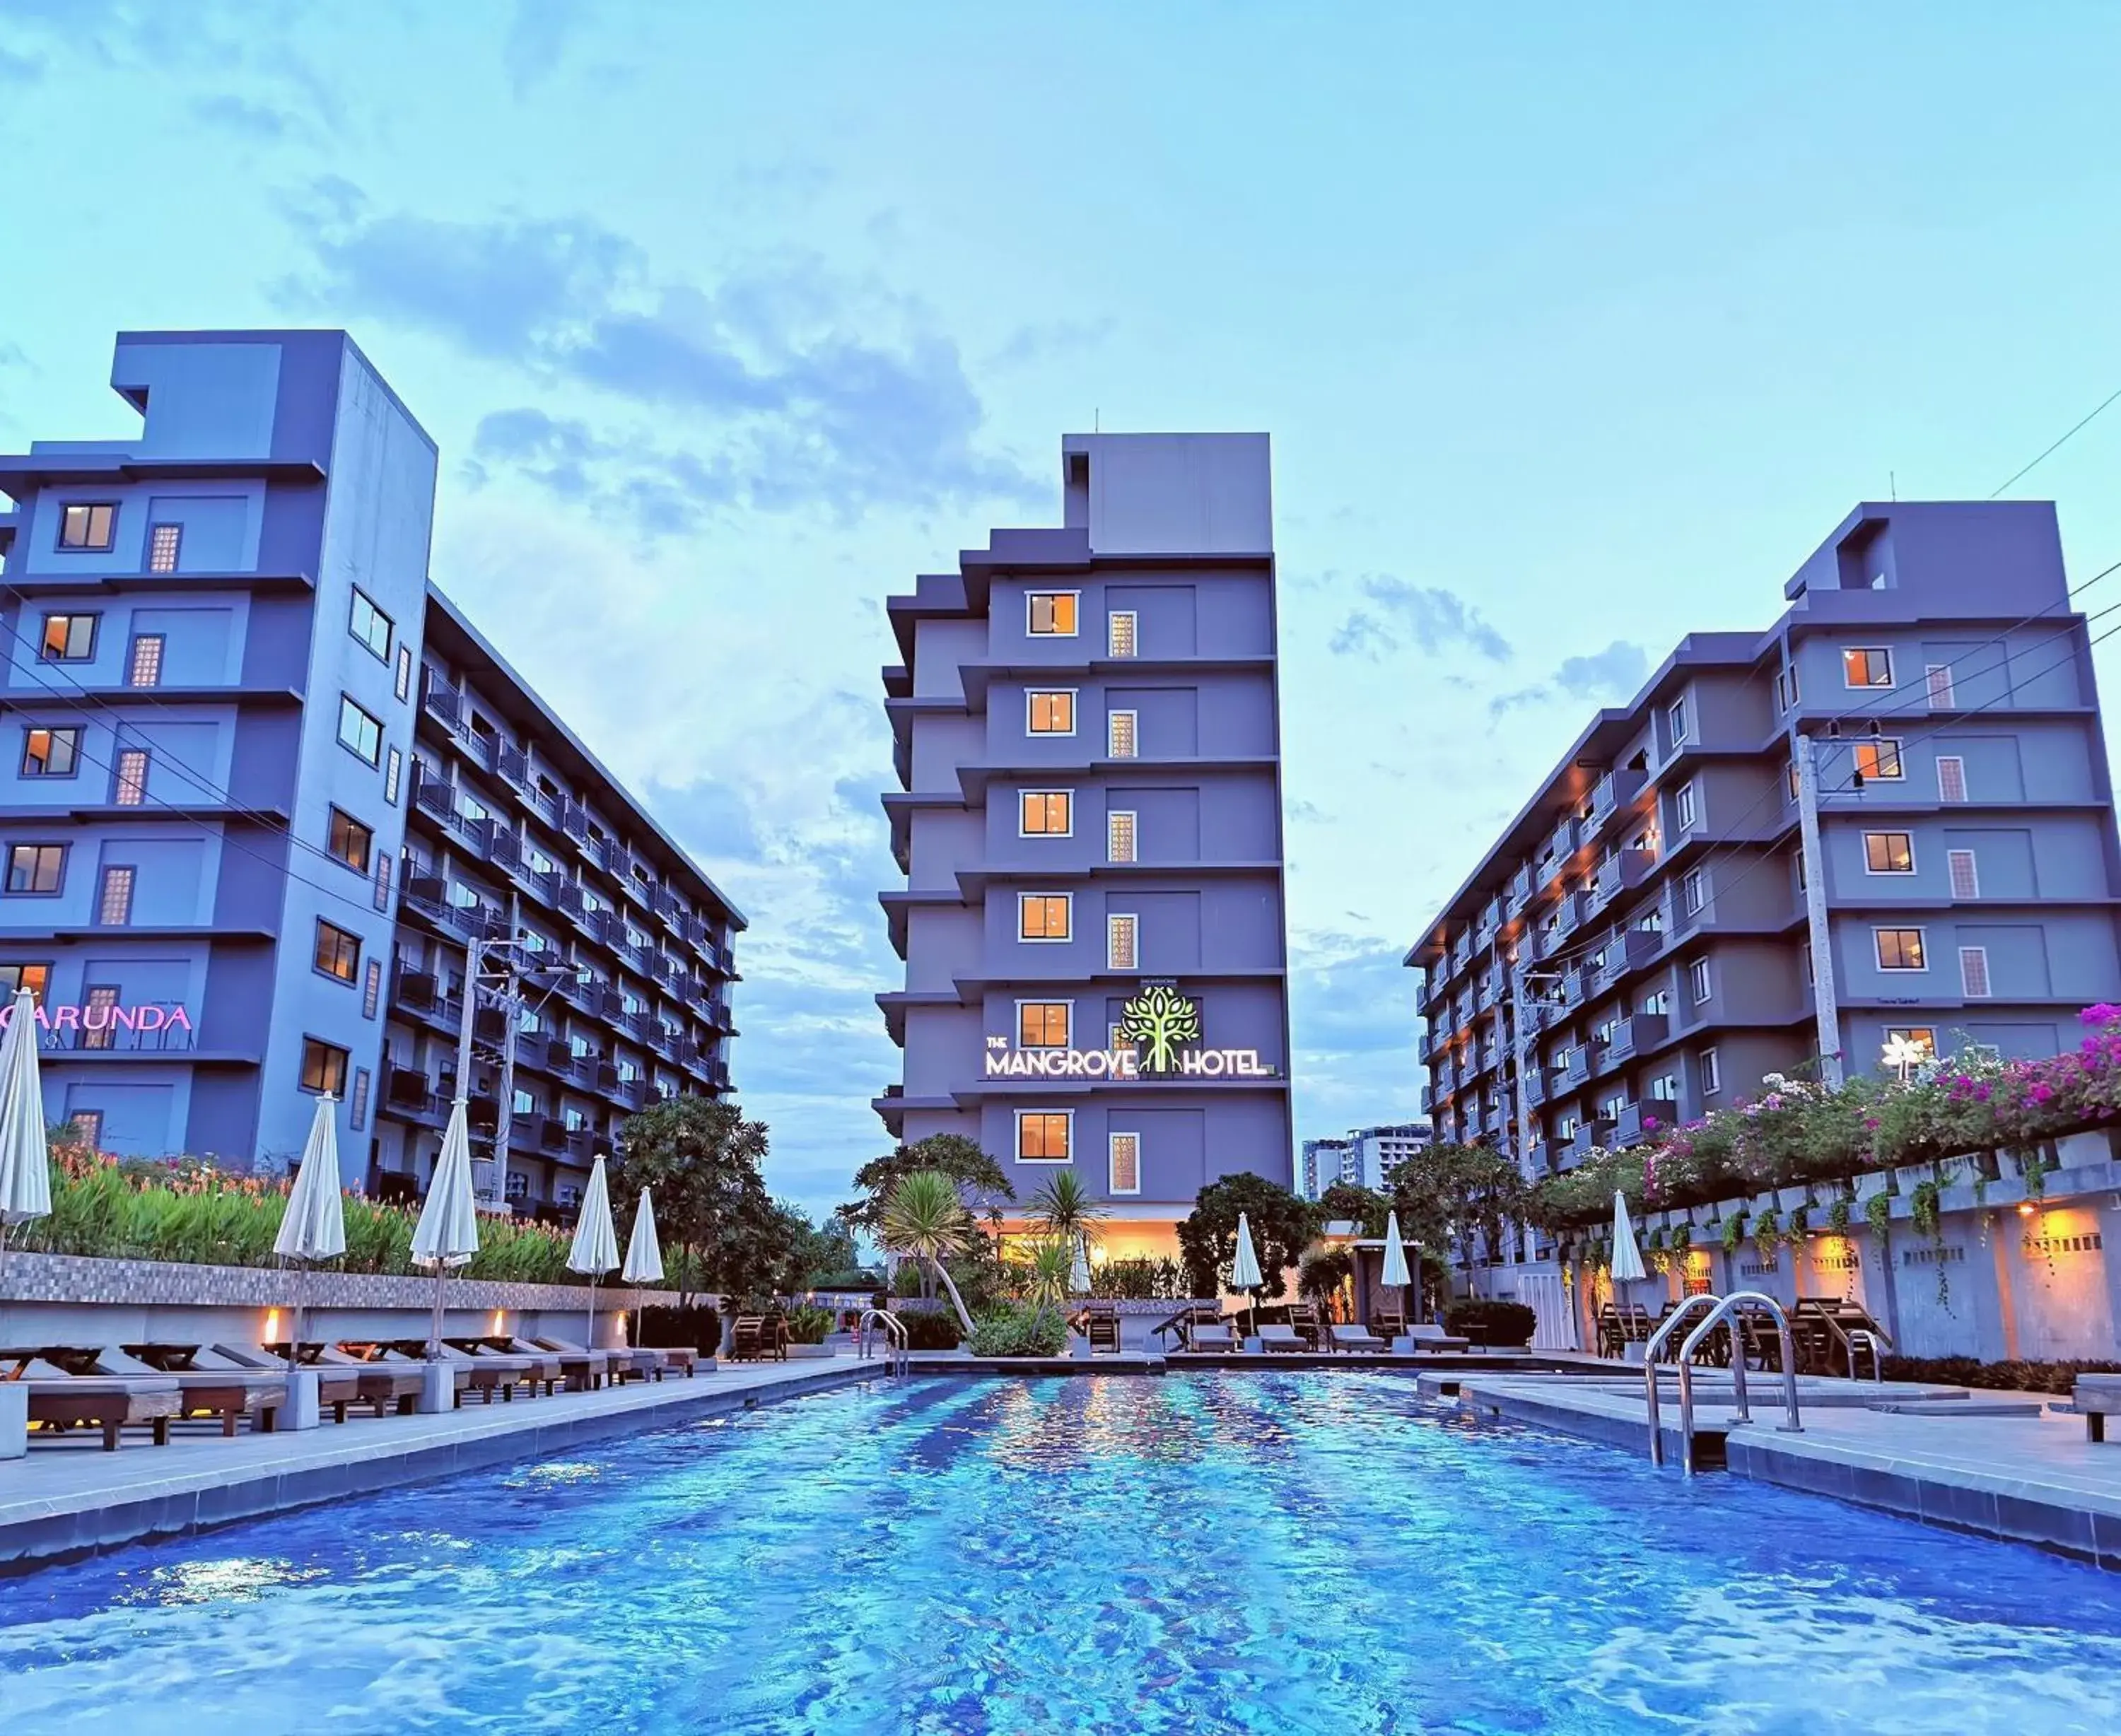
1591	1134
1617	874
1634	1034
1535	1085
1521	888
1626	952
1639	1121
1615	791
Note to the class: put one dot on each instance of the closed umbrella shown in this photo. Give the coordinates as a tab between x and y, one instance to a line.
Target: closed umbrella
595	1249
314	1225
1397	1277
644	1254
1245	1269
1078	1270
447	1233
25	1164
1627	1257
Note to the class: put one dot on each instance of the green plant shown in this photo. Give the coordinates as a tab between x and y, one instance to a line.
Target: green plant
1800	1224
1734	1232
1047	1274
925	1220
1322	1273
1655	1244
1767	1235
1139	1280
1878	1213
1682	1240
1065	1209
1837	1216
1491	1323
810	1323
931	1329
1020	1331
982	1182
1925	1209
1282	1228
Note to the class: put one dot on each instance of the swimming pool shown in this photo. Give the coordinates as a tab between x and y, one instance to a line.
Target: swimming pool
1202	1553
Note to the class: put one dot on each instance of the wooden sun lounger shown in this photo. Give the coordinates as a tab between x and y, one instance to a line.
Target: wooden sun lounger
542	1368
1431	1337
336	1388
59	1401
1355	1337
620	1364
2095	1398
1282	1337
1389	1325
1101	1329
383	1385
1303	1318
213	1388
757	1336
585	1371
485	1375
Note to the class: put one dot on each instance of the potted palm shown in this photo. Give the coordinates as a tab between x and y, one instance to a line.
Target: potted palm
925	1221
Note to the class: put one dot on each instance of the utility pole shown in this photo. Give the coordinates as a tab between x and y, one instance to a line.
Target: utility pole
504	1117
1825	1001
1521	1029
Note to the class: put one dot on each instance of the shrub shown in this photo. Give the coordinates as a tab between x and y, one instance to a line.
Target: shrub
698	1328
809	1325
2017	1377
930	1328
1139	1280
1323	1271
1019	1331
852	1279
1503	1323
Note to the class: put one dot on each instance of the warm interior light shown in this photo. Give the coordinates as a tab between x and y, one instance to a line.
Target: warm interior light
495	1329
272	1324
2025	1209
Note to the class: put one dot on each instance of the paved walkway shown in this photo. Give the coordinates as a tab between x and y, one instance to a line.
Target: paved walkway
70	1497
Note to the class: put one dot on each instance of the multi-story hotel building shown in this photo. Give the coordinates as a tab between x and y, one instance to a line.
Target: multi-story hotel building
263	786
1890	813
1089	823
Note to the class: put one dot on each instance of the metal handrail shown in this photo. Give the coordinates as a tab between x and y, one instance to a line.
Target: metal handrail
1665	1328
1860	1337
894	1333
1742	1413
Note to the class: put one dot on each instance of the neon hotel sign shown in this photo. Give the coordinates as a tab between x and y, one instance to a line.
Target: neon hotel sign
1161	1030
70	1016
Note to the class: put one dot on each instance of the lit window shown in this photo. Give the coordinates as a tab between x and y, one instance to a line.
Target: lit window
1867	666
350	840
1120	633
163	542
338	952
1965	877
1042	1023
1973	972
360	732
356	1113
1786	688
1878	759
88	526
114	903
1051	713
130	789
369	624
403	687
392	771
35	978
87	1125
1119	837
1045	813
1052	612
1922	1036
1041	915
96	1033
383	883
36	867
1119	732
1042	1136
143	668
1792	782
323	1068
1889	852
1125	1176
50	753
372	992
1121	934
1899	949
1950	778
1939	677
1697	981
68	639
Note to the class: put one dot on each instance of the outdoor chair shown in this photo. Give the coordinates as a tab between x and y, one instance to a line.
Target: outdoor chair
215	1387
583	1370
1273	1338
2095	1398
531	1369
1303	1318
386	1385
59	1401
1100	1327
1357	1338
1206	1331
1432	1337
336	1388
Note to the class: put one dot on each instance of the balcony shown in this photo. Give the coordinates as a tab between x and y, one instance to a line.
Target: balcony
1576	1070
1618	874
1427	1098
402	1088
1521	888
1575	987
1421	1045
1461	954
1535	1085
515	766
1588	1137
1444	1075
1635	1035
1639	1121
1542	1158
416	990
1615	792
432	795
1626	952
445	701
1570	915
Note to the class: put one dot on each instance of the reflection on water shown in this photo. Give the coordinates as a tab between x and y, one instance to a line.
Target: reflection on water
1221	1552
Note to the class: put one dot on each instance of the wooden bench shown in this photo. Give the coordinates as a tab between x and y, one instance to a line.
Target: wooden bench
2096	1398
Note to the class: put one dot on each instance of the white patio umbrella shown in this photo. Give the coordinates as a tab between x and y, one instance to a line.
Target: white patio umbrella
1078	1269
1245	1269
595	1249
1627	1258
644	1255
314	1225
1396	1275
447	1233
26	1165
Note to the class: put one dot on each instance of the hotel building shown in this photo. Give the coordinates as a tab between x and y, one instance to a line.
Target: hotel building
1088	820
1890	813
264	788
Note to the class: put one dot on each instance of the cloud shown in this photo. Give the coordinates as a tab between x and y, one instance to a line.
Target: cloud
1052	340
1612	674
536	37
253	120
1431	619
628	481
19	69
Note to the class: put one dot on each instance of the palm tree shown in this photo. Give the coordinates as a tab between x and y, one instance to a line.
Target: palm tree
1066	1211
925	1220
1048	1278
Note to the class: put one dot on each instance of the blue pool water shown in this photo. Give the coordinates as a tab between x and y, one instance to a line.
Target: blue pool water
1211	1553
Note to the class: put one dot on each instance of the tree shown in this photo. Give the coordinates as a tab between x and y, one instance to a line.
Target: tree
1048	1278
1357	1204
1282	1227
699	1159
981	1183
1063	1209
925	1220
1458	1198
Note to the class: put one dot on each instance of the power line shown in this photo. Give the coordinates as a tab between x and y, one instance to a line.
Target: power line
2058	446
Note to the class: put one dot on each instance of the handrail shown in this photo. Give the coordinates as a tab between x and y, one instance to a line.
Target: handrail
1665	1328
1742	1413
1861	1338
894	1332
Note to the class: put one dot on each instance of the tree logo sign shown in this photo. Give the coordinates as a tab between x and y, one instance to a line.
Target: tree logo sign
1160	1022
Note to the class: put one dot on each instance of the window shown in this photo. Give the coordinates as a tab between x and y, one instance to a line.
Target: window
1052	612
392	771
1973	973
1120	633
1664	1088
403	687
68	639
114	902
1899	949
519	1185
143	667
369	624
1950	778
1682	806
1879	760
338	952
349	840
323	1068
88	526
357	1108
1923	1037
1657	1001
1045	813
1792	782
1050	714
51	753
1120	732
1939	677
1119	837
359	731
130	787
1042	915
1867	666
1124	1170
16	977
96	1033
1711	1075
1675	717
1786	688
1121	933
163	542
371	990
382	882
1965	877
1042	1136
1043	1024
36	867
1698	982
87	1125
1804	953
1888	853
1694	891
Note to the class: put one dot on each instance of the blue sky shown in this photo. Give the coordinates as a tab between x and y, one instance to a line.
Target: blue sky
1575	329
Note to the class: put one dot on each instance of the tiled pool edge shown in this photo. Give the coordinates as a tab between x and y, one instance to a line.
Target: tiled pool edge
37	1534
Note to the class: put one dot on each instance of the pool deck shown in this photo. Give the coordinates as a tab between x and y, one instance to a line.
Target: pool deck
70	1498
2010	1465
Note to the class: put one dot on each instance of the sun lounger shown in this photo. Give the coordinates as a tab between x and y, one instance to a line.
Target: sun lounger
1431	1337
1303	1318
1282	1337
59	1401
678	1360
485	1375
2095	1398
212	1388
621	1362
336	1388
541	1368
1355	1337
1203	1336
383	1385
585	1371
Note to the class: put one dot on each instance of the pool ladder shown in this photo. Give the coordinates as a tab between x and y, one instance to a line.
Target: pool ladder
893	1337
1719	1310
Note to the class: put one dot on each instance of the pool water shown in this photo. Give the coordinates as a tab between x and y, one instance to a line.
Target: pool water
1202	1553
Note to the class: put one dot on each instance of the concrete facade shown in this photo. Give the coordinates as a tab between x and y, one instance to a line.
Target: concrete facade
246	805
1366	1157
1088	746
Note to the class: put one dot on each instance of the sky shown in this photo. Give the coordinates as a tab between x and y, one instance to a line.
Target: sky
1575	329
